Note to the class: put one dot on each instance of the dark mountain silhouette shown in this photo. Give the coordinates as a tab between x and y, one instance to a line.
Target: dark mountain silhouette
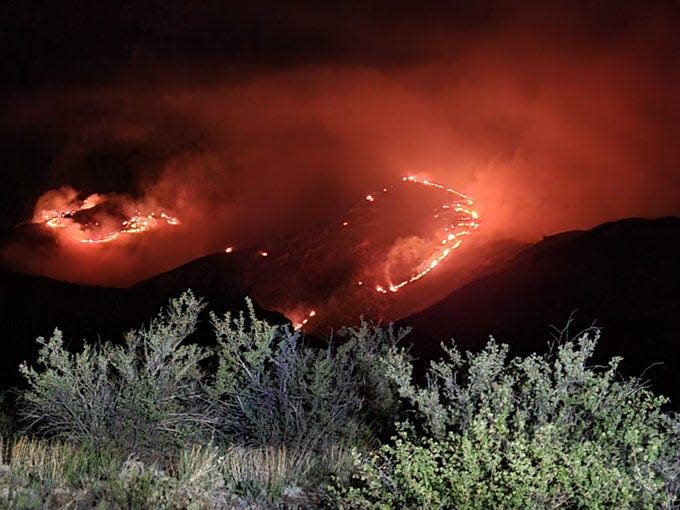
623	276
32	306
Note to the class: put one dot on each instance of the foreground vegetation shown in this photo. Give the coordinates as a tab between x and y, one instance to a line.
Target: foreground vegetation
262	420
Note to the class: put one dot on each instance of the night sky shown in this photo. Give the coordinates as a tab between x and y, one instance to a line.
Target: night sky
261	124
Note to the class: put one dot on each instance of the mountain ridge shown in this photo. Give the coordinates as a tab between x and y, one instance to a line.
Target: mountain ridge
623	276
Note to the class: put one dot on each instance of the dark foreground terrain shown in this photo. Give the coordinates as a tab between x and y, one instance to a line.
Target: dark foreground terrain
623	276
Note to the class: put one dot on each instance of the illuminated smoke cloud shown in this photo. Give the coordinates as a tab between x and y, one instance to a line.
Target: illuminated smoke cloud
96	219
386	255
550	117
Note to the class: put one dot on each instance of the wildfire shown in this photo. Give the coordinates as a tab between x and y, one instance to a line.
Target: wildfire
97	219
392	260
456	227
456	219
303	322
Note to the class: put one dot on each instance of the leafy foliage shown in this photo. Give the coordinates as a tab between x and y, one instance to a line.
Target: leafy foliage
260	386
263	418
271	389
144	396
534	432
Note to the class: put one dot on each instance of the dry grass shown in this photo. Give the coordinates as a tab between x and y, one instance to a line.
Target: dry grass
260	464
200	467
38	458
255	477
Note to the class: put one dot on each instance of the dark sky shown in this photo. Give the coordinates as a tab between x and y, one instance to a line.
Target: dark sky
56	44
71	43
262	120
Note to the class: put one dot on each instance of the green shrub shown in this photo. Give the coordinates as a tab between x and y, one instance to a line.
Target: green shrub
151	395
270	389
260	389
272	419
533	432
144	397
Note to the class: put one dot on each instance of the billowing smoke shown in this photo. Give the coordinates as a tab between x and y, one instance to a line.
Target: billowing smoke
550	121
97	219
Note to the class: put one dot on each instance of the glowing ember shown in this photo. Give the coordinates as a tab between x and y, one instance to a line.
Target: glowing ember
303	322
457	220
97	219
229	249
455	227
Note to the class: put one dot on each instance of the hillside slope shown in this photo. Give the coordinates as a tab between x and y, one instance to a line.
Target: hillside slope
32	306
623	276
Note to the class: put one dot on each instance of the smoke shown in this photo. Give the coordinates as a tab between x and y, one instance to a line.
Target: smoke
550	121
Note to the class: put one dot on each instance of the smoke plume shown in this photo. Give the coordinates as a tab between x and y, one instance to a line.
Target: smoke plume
550	121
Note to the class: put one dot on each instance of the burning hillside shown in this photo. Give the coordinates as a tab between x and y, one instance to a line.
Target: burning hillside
97	218
289	162
390	239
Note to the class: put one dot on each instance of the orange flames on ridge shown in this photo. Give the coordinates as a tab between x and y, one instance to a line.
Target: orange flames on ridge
463	223
458	220
98	218
101	219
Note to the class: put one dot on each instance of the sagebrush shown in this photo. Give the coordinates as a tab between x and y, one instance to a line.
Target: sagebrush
260	385
263	419
547	431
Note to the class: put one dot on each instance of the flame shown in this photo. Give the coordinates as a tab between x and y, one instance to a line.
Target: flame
463	223
88	221
100	218
458	220
299	325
